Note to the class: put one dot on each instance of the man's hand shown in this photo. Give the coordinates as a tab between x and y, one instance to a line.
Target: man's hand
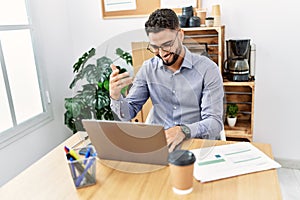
174	136
117	82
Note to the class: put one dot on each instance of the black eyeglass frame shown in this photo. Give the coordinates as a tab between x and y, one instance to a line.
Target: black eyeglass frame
162	47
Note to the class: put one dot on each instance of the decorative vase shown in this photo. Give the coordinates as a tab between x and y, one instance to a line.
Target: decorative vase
231	121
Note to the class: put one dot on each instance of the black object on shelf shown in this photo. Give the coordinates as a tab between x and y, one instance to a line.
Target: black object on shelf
187	18
188	11
183	21
194	21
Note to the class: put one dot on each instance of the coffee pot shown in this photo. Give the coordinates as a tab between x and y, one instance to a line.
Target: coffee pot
236	66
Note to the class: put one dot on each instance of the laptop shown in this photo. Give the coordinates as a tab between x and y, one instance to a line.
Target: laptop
128	141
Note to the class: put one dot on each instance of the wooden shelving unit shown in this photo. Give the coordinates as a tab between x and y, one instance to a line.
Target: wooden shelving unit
241	93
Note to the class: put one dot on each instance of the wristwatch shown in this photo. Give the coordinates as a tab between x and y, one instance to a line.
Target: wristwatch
186	130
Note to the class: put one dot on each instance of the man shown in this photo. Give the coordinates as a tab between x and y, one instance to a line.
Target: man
186	89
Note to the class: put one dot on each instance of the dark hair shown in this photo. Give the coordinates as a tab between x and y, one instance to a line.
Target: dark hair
161	19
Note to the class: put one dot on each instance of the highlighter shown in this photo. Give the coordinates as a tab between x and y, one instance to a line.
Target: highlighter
72	153
69	156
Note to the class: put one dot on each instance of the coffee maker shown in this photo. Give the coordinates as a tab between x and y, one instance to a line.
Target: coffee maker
236	65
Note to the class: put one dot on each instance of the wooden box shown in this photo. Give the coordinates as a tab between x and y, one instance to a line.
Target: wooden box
241	93
212	37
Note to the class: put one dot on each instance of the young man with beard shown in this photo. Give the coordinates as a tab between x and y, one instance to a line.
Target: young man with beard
186	89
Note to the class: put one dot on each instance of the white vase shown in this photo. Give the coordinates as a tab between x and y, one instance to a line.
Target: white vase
231	121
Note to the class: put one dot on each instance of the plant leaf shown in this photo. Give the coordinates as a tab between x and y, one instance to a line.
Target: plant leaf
106	84
124	90
82	60
124	55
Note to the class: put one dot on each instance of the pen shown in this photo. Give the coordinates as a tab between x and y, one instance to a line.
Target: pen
66	149
87	155
81	169
72	167
79	179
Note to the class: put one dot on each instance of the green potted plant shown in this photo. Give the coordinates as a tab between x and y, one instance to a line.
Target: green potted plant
232	110
92	101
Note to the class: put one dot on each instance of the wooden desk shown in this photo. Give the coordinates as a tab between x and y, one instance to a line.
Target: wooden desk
50	178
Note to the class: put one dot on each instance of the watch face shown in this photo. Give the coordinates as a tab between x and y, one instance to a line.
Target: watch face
186	131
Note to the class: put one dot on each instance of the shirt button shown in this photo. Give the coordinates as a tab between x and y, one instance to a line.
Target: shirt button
122	115
173	91
174	107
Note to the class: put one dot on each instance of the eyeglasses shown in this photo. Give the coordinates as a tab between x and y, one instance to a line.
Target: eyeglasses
165	47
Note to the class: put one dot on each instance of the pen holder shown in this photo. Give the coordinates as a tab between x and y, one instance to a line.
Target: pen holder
83	169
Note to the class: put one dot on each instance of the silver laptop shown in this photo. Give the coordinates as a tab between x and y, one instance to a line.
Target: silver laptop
128	141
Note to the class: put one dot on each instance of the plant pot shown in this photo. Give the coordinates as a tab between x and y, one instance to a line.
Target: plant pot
231	121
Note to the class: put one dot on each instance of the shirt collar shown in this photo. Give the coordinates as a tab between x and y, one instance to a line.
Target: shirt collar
187	61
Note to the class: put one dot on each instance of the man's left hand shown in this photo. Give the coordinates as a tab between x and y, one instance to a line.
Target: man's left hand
174	137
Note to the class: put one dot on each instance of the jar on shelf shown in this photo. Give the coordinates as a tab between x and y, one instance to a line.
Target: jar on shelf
209	21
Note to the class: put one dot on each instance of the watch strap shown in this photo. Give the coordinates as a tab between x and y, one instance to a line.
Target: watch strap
186	130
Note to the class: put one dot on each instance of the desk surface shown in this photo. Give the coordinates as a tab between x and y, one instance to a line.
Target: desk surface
50	178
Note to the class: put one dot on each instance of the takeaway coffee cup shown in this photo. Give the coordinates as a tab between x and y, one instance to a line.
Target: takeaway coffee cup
202	14
181	169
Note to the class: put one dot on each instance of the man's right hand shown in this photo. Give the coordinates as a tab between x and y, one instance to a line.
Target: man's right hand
117	82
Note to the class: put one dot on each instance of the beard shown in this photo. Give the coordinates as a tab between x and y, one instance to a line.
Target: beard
175	56
174	59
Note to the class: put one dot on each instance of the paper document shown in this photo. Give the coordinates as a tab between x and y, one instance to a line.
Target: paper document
118	5
217	162
177	3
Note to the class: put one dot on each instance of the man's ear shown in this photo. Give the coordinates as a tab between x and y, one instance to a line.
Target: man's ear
181	35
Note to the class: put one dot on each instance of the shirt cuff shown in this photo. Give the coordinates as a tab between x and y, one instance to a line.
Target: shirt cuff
193	128
118	107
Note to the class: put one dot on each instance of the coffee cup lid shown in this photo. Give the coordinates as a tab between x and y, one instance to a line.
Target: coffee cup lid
181	157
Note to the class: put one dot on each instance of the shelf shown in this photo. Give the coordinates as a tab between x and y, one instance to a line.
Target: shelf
240	125
203	28
234	83
239	93
242	129
238	134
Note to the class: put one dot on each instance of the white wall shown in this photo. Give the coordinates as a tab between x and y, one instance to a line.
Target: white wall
70	27
56	58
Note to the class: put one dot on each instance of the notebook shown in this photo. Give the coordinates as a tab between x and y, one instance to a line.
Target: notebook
128	141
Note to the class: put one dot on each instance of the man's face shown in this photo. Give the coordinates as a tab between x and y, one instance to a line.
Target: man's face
166	45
